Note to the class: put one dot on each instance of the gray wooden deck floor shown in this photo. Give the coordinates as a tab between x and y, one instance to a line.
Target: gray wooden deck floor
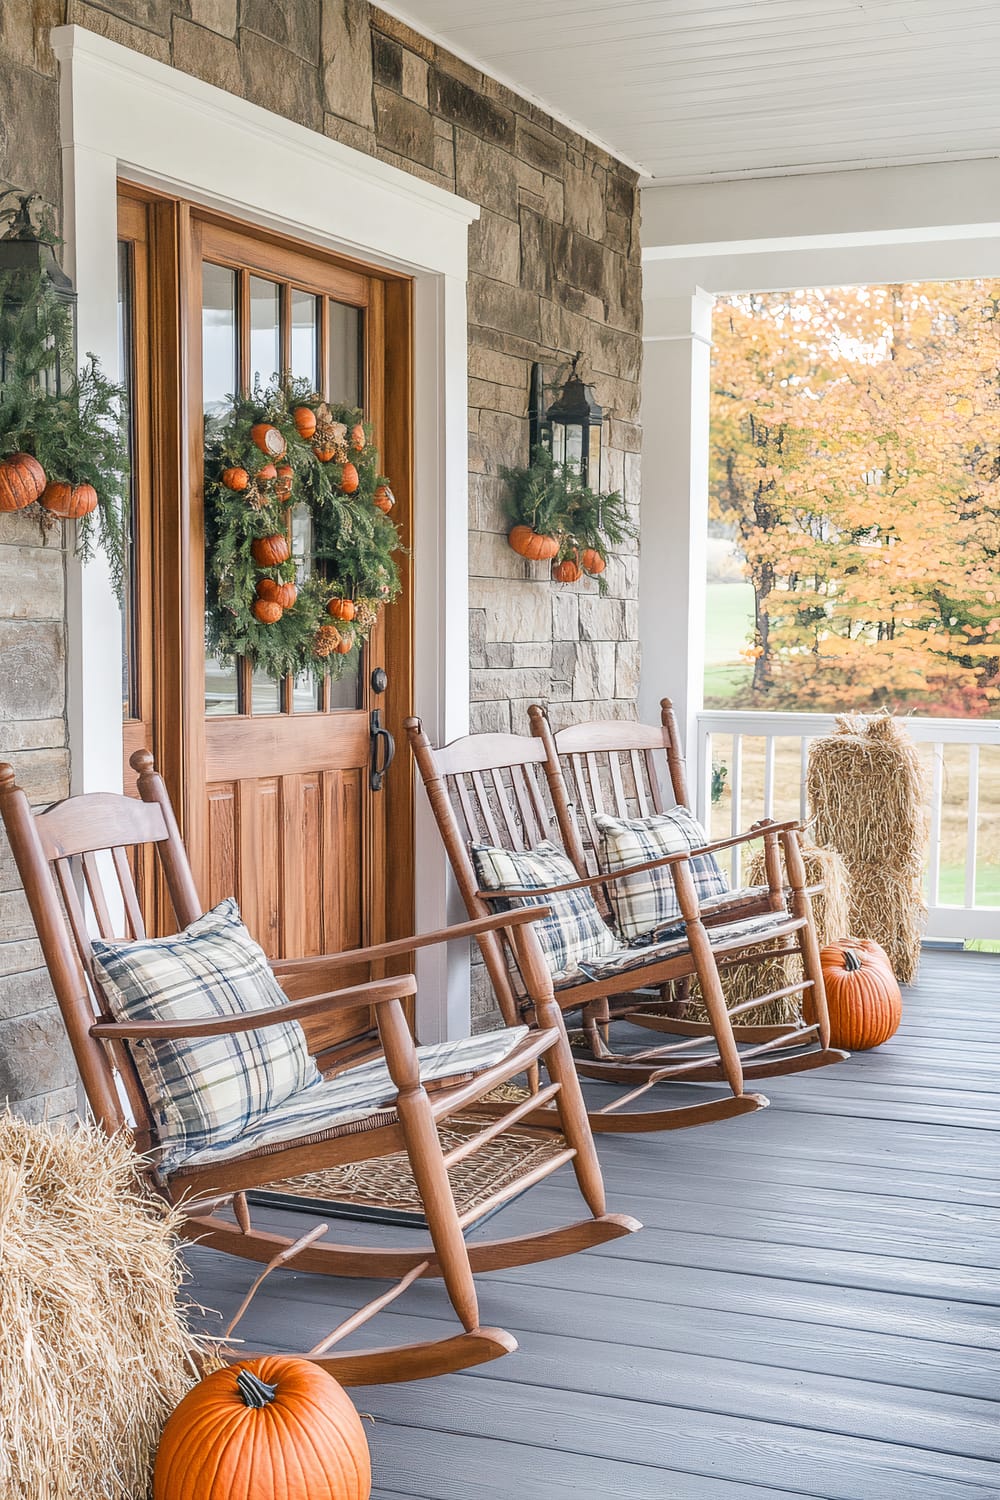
812	1309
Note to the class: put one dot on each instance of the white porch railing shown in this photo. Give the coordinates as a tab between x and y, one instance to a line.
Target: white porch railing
765	756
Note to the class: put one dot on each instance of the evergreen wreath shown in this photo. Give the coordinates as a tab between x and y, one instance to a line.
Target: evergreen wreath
277	447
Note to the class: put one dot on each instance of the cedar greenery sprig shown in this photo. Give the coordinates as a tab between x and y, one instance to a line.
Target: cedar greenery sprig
78	435
354	544
552	500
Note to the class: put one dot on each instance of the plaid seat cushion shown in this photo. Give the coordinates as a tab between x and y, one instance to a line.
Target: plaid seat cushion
359	1093
203	1090
642	903
627	960
574	930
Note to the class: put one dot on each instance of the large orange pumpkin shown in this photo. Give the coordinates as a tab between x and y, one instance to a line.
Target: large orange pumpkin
268	1429
22	480
533	545
861	993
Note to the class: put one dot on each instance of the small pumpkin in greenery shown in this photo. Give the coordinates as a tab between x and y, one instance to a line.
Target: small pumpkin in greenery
533	545
68	501
275	1428
862	994
567	571
22	481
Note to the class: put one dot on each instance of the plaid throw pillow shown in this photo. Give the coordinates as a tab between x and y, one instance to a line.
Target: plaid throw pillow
643	903
575	930
202	1090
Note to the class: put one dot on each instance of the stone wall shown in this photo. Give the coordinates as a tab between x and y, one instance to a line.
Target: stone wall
554	268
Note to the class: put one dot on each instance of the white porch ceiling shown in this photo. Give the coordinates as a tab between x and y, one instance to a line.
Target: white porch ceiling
699	90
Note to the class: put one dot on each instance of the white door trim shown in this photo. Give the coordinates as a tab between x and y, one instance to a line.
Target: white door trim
124	115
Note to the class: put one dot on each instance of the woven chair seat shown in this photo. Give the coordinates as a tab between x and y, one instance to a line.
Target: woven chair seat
358	1099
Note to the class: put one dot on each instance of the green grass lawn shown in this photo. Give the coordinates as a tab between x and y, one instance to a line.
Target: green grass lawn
728	619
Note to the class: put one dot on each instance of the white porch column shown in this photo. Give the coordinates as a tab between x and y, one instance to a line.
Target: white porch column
676	385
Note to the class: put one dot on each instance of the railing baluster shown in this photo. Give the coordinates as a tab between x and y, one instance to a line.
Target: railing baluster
972	827
769	776
803	773
934	853
736	814
704	788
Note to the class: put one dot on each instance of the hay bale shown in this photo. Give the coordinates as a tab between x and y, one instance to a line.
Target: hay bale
869	800
94	1353
831	910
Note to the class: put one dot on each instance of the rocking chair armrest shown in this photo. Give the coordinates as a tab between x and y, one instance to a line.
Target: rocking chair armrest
302	969
375	992
756	832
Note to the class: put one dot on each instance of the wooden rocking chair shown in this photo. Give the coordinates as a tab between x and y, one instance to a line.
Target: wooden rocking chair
624	769
81	848
507	790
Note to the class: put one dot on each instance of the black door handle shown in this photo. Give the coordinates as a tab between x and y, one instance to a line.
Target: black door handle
383	748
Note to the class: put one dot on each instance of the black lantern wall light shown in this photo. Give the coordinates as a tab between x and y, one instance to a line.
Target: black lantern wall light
570	428
28	266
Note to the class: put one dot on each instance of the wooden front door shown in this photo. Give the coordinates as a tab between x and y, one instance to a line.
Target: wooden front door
271	776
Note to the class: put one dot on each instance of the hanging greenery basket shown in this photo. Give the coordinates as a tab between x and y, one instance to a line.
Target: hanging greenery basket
62	450
557	517
283	447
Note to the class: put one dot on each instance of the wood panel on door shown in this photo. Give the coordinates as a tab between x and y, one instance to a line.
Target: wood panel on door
272	780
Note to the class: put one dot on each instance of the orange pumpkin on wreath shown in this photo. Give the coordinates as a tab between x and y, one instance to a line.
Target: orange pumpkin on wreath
384	499
342	609
267	611
270	551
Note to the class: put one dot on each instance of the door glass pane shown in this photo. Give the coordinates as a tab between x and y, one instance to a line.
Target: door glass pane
307	695
220	349
265	330
130	653
302	542
347	692
345	370
266	694
305	341
218	336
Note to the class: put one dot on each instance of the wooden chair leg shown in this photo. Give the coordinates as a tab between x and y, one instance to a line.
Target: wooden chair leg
814	1007
427	1165
573	1112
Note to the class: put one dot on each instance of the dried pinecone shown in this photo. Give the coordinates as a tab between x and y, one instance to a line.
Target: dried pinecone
325	641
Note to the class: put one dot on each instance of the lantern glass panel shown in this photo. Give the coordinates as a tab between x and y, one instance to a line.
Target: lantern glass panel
574	446
592	472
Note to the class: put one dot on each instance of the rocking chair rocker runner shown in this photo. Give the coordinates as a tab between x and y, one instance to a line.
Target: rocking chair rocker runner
497	793
385	1094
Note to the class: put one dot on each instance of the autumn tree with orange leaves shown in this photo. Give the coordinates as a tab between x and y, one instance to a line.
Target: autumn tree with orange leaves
856	453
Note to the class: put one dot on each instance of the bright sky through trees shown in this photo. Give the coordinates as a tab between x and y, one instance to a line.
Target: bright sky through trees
856	459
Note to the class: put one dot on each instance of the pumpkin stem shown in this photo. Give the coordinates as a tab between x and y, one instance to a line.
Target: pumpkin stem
852	962
254	1392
